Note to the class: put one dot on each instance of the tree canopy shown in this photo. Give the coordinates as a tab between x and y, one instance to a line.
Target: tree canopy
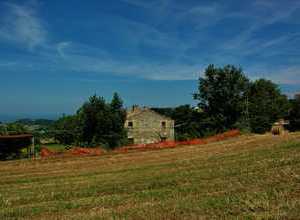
266	105
231	100
221	94
190	122
294	114
65	129
96	123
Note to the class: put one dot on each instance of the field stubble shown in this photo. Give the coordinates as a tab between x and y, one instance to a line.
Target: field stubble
255	176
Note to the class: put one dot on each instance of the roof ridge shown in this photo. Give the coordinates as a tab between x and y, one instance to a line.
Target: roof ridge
130	114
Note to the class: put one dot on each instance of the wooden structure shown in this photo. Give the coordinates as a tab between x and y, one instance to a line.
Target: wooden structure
30	148
278	127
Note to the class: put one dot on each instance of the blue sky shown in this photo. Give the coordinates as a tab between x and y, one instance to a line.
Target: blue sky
54	54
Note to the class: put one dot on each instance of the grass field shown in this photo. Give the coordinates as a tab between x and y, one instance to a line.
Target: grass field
249	177
55	147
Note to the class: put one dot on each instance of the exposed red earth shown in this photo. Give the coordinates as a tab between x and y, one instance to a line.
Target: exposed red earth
172	144
75	151
78	151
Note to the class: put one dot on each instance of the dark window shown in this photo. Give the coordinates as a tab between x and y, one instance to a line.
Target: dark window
130	141
163	124
130	124
163	139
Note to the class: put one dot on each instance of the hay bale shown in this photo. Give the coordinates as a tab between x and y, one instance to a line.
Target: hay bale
278	127
277	130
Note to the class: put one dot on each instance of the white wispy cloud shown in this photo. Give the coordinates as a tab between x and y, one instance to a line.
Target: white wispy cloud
61	46
262	14
287	75
281	74
20	24
84	59
148	4
7	64
202	15
266	48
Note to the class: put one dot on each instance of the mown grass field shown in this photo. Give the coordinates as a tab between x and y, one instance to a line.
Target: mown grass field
249	177
55	147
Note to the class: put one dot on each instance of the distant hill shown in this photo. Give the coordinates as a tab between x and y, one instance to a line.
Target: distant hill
8	118
41	122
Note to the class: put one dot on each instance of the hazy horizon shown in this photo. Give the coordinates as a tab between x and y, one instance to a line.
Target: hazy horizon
9	117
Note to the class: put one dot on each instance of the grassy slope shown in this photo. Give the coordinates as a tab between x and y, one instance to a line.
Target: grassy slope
55	147
249	176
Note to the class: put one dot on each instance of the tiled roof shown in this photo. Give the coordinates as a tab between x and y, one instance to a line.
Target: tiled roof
16	136
137	111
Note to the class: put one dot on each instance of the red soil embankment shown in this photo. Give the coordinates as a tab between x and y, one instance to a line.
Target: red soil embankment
45	152
172	144
85	151
78	151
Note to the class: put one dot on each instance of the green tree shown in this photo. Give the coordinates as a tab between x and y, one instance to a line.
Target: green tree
94	121
118	114
16	128
266	105
65	129
294	114
116	103
3	129
221	94
189	122
101	123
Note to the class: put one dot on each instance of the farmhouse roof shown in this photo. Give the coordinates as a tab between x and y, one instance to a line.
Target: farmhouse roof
136	110
16	136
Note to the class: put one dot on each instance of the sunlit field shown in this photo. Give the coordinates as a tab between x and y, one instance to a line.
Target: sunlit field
255	176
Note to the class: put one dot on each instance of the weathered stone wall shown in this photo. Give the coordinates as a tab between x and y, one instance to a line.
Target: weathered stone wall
149	127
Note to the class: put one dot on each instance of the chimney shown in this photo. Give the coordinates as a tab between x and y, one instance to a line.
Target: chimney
135	108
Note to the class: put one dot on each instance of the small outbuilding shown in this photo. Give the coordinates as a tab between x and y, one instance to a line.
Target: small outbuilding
13	143
278	127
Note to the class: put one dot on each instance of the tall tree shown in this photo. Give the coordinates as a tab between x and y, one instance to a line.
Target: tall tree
101	123
118	132
221	94
266	105
116	103
66	130
94	121
294	114
188	122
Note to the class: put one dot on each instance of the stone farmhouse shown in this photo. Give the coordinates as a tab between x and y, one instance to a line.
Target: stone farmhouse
146	126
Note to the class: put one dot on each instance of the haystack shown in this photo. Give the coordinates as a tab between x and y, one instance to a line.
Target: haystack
278	127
